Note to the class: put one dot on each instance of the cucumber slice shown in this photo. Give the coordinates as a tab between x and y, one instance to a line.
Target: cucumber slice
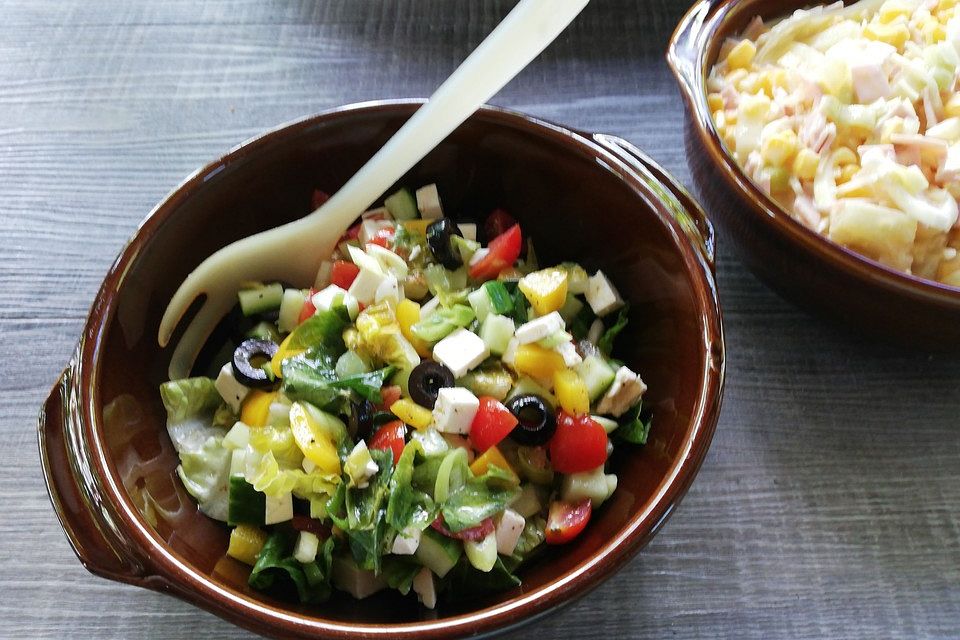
496	332
526	385
500	298
571	308
264	331
595	485
482	554
260	299
481	303
597	375
350	364
402	205
246	505
438	553
290	307
607	424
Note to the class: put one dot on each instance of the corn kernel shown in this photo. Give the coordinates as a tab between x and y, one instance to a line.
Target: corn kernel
736	76
715	101
937	34
847	172
945	5
895	34
720	119
844	156
805	164
741	55
749	84
411	413
779	148
754	106
892	9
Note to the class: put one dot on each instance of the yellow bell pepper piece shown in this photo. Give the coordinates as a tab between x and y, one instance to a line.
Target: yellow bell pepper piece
283	352
255	409
411	413
416	226
408	314
246	542
538	362
571	392
546	289
492	456
315	443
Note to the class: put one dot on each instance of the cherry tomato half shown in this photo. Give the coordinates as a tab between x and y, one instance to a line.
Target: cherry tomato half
567	520
475	533
579	444
389	394
343	273
391	436
503	251
383	237
308	309
493	423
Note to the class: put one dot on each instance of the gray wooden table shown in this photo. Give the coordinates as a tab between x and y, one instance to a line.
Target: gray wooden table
828	505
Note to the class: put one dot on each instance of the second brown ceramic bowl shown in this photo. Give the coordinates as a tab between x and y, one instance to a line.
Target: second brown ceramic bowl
110	466
800	264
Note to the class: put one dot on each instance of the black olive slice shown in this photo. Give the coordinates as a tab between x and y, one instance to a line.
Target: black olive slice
536	421
245	371
440	240
360	423
426	380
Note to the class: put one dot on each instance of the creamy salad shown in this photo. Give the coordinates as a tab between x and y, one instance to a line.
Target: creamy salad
849	117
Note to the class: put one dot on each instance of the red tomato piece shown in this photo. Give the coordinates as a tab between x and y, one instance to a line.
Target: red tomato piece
579	444
343	273
388	395
308	309
497	223
502	252
318	198
383	237
567	520
317	528
493	423
475	533
392	437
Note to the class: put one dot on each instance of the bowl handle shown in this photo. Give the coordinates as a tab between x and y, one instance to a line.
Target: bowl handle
689	43
73	492
685	209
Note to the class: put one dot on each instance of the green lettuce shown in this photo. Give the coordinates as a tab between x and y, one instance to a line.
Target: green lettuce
464	581
311	377
277	570
606	340
399	572
632	427
443	322
479	498
408	507
324	329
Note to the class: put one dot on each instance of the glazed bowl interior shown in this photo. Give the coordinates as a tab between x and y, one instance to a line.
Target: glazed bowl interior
573	205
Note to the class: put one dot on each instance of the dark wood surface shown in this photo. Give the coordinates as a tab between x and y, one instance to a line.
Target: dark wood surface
828	505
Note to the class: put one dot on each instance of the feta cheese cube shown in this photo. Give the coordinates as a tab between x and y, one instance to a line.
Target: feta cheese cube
424	588
389	290
278	509
455	409
540	328
328	298
365	285
360	466
363	260
469	231
370	228
626	389
460	351
306	549
508	531
428	201
602	295
569	352
229	388
406	542
428	308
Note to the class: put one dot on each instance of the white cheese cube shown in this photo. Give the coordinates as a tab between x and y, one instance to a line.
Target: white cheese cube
278	509
428	308
229	388
540	328
365	285
508	531
406	542
389	290
360	466
469	230
290	307
460	351
424	588
510	353
306	549
428	202
626	389
602	295
455	410
388	260
360	583
328	298
370	228
363	261
569	352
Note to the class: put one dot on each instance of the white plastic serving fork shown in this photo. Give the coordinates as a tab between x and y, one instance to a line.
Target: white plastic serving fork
294	251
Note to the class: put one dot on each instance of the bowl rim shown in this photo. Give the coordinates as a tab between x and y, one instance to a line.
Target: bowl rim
687	53
167	570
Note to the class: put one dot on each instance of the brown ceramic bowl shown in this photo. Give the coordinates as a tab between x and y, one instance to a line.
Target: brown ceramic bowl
108	462
800	264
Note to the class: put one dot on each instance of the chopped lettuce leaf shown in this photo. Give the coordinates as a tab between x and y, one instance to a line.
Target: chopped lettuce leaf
464	581
632	427
399	572
478	499
205	473
189	398
408	506
443	322
606	341
324	329
277	569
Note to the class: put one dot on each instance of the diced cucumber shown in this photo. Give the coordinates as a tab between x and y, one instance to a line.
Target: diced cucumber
306	548
488	381
595	485
466	248
246	505
597	375
402	205
350	364
499	296
481	303
439	553
526	386
290	307
402	379
359	583
482	554
260	299
570	308
264	331
608	425
555	339
238	437
576	277
529	502
496	332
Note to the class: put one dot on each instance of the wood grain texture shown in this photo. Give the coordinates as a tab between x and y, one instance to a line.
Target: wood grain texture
827	507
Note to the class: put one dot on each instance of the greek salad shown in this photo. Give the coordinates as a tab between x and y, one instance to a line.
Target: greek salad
426	418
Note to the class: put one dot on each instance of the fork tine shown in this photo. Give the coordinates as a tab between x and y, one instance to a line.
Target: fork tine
178	305
196	334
